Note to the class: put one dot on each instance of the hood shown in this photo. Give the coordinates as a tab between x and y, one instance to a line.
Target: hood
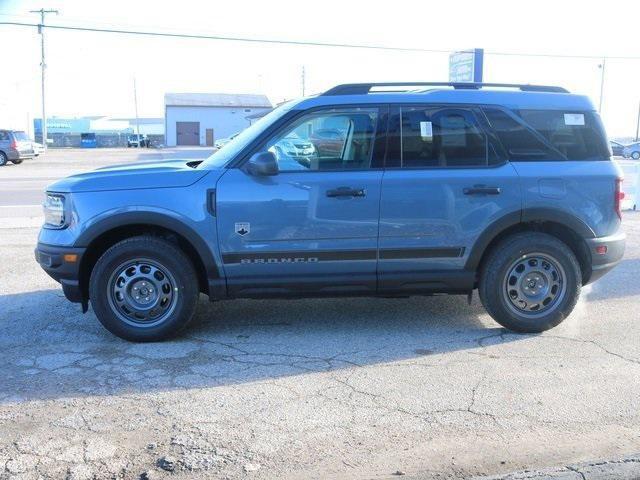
164	174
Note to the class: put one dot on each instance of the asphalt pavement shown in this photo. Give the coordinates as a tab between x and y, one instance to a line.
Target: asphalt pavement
324	388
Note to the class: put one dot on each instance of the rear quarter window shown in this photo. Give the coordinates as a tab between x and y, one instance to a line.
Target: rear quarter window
535	135
577	135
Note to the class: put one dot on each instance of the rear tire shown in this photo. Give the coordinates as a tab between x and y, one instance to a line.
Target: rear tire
530	282
144	289
3	159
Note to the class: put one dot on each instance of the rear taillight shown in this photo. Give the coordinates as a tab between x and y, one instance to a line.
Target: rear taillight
618	197
14	144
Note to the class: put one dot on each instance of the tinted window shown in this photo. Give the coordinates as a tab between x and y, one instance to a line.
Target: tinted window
519	141
303	145
4	135
20	136
439	137
577	135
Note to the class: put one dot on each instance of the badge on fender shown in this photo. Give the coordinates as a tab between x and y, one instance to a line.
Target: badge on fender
243	228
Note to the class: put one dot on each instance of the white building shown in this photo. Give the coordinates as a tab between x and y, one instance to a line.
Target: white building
202	118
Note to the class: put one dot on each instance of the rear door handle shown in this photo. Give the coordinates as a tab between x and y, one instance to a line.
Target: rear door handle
346	192
481	190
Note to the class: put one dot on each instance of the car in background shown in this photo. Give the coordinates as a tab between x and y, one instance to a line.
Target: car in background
138	141
223	141
293	151
15	146
328	142
617	148
38	148
632	151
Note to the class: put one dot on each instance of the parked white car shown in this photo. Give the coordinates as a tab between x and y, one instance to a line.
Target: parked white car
223	141
632	151
38	148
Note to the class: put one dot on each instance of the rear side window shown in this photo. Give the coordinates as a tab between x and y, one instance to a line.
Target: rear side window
20	135
423	137
577	135
549	134
4	135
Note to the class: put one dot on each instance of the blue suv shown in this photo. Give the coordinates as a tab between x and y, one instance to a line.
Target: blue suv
429	188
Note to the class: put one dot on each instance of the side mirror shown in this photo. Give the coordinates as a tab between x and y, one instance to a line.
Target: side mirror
262	164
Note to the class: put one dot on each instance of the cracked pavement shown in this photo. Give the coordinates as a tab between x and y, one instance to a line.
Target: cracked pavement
339	388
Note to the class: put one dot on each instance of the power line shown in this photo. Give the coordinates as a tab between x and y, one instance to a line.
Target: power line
150	33
226	38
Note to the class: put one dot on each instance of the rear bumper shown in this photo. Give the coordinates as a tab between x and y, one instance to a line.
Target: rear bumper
56	262
18	155
603	263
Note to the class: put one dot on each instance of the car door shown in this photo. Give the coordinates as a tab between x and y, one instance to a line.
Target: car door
444	183
313	227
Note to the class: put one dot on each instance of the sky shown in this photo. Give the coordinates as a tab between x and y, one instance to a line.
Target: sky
92	73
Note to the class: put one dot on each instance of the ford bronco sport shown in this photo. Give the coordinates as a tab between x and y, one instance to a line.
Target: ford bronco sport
431	188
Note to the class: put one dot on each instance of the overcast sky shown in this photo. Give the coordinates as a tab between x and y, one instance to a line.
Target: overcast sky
92	73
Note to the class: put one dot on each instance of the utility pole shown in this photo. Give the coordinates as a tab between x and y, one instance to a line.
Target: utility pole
603	66
43	67
135	102
303	80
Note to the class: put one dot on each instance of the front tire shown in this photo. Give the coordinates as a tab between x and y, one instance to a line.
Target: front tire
144	289
635	155
530	282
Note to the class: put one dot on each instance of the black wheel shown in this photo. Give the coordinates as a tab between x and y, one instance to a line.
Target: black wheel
635	155
530	282
144	289
3	159
17	161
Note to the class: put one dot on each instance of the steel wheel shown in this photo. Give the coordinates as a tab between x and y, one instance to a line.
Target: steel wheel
142	292
534	285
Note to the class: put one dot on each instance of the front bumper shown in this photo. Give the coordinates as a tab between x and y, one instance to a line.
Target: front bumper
603	263
63	265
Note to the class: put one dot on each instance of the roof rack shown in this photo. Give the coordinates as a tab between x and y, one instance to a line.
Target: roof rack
364	88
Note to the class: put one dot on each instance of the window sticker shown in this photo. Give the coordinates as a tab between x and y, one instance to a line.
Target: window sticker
426	131
574	118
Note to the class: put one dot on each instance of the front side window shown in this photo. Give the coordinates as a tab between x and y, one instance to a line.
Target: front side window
423	137
336	139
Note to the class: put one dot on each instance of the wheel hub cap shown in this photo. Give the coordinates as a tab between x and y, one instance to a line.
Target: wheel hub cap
534	285
142	292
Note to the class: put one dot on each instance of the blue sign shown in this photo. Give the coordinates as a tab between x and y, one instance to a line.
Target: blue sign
466	66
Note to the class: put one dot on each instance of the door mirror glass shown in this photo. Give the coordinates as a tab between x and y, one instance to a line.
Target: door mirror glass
262	164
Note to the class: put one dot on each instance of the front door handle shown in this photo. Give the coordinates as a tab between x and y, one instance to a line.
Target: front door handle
346	192
481	190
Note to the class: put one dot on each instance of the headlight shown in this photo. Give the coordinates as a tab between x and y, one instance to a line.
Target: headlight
54	215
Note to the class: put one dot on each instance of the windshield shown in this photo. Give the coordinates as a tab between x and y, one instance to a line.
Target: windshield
242	139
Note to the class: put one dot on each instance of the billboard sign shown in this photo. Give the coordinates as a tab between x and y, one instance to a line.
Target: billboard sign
466	65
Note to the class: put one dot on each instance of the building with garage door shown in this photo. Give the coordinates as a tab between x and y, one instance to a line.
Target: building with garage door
202	118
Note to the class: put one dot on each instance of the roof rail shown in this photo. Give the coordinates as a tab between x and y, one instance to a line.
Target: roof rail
364	88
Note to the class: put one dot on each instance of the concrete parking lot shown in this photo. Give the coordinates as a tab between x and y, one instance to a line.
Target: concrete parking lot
331	388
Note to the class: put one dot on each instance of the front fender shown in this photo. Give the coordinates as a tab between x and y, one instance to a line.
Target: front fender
157	217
